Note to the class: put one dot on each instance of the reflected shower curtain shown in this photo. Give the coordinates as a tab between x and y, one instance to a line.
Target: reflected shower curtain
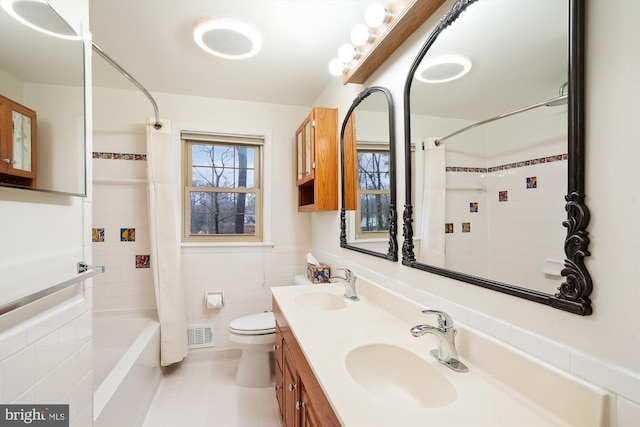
433	205
164	233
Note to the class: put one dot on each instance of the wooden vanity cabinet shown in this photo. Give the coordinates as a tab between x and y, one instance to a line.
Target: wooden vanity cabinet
17	143
317	161
301	401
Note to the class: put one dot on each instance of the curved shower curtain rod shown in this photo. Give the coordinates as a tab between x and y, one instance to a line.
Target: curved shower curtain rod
549	102
114	64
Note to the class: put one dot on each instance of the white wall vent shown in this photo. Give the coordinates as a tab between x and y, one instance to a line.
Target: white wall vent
200	336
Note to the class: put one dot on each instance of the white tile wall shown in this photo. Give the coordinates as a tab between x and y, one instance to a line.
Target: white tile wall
47	358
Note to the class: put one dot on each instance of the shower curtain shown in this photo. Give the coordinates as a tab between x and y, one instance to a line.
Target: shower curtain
433	205
164	232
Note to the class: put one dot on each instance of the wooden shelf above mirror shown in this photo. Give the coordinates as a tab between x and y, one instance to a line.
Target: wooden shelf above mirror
407	17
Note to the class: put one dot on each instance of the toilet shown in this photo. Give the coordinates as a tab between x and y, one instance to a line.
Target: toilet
255	335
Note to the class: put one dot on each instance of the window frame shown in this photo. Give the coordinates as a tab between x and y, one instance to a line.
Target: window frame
216	137
368	146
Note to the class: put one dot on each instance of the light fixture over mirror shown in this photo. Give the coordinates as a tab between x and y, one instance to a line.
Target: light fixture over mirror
45	75
368	215
496	199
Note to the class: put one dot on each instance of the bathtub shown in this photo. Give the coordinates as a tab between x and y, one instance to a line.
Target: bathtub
126	366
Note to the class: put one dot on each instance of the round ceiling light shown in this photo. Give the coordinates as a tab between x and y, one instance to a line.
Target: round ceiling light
443	68
226	37
40	16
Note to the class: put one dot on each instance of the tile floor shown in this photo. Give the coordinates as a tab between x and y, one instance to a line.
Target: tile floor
203	393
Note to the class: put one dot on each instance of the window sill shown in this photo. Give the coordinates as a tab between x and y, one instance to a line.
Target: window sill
224	247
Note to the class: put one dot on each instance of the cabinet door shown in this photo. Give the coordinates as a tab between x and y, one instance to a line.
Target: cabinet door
279	370
310	157
308	416
290	392
17	140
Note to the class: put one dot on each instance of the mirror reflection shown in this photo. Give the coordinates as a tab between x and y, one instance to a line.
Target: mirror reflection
488	106
369	219
42	89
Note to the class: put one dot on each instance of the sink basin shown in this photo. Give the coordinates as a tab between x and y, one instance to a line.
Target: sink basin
399	376
321	301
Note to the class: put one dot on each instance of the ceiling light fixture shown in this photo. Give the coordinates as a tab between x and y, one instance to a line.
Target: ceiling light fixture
226	37
40	16
443	68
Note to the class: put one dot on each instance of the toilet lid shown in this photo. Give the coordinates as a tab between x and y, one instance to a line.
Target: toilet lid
254	324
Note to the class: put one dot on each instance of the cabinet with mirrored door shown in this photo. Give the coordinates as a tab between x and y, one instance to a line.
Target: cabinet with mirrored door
317	161
17	143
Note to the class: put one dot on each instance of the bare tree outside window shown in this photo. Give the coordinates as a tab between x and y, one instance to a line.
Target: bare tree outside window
374	190
223	197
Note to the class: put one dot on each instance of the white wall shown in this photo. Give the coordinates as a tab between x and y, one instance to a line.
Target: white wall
45	348
603	348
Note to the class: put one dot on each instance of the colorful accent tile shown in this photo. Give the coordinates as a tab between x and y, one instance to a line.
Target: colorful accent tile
119	156
97	234
473	207
466	227
503	196
448	227
143	261
520	164
532	182
127	234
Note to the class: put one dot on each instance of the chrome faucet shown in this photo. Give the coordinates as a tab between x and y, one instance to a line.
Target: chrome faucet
349	281
445	334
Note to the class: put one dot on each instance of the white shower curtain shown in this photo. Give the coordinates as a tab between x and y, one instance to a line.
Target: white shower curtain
164	232
433	205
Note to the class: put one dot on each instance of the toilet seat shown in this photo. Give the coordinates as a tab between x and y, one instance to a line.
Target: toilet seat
254	324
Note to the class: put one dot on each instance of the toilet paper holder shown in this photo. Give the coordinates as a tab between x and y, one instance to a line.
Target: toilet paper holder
214	299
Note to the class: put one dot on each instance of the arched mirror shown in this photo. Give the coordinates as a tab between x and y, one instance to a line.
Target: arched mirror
368	216
495	187
42	95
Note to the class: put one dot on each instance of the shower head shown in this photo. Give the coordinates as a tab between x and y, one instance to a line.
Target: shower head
562	97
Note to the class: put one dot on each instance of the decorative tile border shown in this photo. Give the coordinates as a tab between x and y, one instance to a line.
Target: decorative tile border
143	261
97	234
119	156
532	162
127	234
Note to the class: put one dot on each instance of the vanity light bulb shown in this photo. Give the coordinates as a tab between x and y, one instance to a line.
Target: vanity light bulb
360	35
347	52
376	15
337	67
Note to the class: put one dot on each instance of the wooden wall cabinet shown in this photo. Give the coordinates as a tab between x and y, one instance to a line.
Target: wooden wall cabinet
17	143
317	161
301	401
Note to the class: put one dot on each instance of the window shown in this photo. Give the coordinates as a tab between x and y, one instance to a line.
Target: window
222	197
374	195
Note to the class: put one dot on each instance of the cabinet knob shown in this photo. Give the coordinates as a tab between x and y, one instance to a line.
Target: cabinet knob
11	162
292	387
275	347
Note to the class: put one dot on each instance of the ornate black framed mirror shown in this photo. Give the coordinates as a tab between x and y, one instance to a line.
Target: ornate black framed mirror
496	99
368	216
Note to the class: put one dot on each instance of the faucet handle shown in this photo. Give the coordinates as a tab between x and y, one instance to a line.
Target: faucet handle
444	320
348	274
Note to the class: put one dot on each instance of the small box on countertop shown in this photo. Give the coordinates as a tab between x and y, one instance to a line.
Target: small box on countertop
318	273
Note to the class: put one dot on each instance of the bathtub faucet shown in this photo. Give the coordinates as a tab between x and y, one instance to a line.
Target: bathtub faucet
349	281
445	334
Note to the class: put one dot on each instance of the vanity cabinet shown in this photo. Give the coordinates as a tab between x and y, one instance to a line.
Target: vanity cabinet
317	161
301	401
17	143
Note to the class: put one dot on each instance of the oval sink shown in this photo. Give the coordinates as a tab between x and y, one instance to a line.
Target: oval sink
399	376
321	301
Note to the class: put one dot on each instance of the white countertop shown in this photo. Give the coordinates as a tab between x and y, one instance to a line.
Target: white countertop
327	336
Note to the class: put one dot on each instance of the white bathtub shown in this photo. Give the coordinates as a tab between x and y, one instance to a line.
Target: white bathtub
126	366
